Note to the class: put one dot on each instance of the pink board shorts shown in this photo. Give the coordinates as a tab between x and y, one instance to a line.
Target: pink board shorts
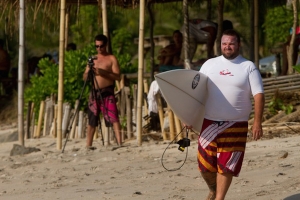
103	101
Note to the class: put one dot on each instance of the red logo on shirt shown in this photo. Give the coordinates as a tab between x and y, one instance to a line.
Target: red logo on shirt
225	72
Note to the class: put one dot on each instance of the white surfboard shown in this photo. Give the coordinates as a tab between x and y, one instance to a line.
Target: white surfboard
185	92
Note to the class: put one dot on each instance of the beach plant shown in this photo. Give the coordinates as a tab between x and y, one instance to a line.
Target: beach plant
277	105
45	85
297	68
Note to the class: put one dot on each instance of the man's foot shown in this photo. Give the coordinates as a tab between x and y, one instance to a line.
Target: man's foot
211	196
90	148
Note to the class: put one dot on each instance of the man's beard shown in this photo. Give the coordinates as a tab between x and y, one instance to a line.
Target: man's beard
230	56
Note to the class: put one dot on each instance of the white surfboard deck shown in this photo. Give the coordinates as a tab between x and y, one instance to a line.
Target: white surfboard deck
185	92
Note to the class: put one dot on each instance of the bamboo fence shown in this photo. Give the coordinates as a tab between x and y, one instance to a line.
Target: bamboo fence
75	126
127	98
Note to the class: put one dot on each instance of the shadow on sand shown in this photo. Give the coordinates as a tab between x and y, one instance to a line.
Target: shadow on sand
293	197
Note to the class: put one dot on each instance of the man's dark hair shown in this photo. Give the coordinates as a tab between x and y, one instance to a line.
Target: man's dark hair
177	31
102	38
71	46
232	32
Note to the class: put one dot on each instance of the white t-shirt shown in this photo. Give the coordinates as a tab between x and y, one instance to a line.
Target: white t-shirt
230	85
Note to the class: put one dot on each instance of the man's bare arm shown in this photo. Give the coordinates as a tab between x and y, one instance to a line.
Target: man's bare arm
259	102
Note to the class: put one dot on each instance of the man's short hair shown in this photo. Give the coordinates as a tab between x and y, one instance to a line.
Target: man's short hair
102	38
177	31
232	32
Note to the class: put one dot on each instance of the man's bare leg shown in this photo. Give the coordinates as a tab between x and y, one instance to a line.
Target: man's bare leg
90	136
223	183
117	130
211	181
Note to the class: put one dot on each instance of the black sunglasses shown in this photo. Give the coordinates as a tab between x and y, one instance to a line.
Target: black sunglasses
101	46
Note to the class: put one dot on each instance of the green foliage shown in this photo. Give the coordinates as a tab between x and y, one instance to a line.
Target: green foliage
47	84
277	104
121	43
297	68
277	25
86	26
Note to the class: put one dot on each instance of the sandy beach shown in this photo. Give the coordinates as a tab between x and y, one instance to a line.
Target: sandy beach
271	171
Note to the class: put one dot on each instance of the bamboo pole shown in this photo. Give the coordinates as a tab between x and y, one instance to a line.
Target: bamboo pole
72	133
21	73
32	125
67	26
128	112
122	111
55	121
139	126
80	123
28	117
161	115
40	120
61	73
171	123
66	119
146	91
104	19
178	127
106	134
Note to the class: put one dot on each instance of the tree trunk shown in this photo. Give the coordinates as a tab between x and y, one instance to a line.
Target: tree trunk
290	48
256	42
208	16
251	40
187	61
220	28
152	22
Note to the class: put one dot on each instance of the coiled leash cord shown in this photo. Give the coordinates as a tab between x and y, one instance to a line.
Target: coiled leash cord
183	143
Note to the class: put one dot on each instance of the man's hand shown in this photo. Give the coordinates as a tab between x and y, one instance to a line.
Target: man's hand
257	131
187	126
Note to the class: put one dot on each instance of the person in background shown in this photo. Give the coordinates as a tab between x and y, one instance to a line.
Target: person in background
4	61
170	55
71	47
102	99
232	80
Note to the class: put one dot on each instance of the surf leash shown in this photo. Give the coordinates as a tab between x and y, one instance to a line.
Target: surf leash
183	143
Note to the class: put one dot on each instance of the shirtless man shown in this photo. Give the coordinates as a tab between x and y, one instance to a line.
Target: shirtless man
106	70
170	55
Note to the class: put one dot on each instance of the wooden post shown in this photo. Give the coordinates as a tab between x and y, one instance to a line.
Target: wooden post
55	120
178	127
80	122
47	119
72	133
106	134
161	115
146	91
32	125
122	112
27	135
40	121
171	123
128	112
66	119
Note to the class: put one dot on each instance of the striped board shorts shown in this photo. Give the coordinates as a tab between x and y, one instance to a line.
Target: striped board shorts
221	146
